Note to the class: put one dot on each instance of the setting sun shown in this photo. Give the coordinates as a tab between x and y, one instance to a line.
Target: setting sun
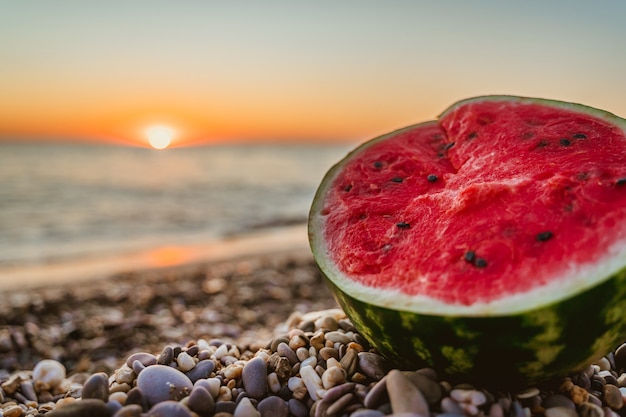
160	137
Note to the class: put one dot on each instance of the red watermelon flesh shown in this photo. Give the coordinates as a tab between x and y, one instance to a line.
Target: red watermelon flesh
497	198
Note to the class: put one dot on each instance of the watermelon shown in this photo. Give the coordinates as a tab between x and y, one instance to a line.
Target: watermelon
489	244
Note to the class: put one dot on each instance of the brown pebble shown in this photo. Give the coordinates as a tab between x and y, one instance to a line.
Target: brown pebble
83	408
404	396
613	397
579	395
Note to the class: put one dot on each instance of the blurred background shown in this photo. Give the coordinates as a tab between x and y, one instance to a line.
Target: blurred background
133	126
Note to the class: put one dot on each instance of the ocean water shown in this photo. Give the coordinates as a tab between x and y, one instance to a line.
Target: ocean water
61	202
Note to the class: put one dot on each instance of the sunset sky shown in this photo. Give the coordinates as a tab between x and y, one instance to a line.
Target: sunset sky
225	71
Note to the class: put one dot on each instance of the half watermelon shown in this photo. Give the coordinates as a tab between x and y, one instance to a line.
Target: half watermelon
489	244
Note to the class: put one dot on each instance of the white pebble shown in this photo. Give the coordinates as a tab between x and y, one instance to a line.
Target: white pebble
333	376
221	352
203	344
333	363
185	362
125	375
302	353
312	381
246	409
338	337
310	361
294	383
273	382
233	371
48	374
214	386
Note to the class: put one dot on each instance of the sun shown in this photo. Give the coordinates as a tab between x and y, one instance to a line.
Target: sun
160	136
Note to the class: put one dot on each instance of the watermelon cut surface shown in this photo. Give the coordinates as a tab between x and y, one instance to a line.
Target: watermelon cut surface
497	231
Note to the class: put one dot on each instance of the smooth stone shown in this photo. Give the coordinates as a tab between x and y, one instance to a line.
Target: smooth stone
48	374
135	396
377	395
166	357
349	361
613	397
430	388
185	362
225	407
284	350
245	408
131	410
97	387
161	383
202	370
558	400
145	358
339	391
169	409
590	410
449	406
27	389
137	367
560	411
620	358
367	413
273	406
201	401
372	365
83	408
333	376
254	377
340	404
404	395
312	381
297	408
338	337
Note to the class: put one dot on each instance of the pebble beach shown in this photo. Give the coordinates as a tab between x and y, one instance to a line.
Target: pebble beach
256	336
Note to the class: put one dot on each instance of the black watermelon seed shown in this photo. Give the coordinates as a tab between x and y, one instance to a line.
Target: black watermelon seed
378	164
432	178
470	256
448	146
347	187
472	135
542	143
565	142
620	182
579	136
397	179
543	236
480	263
403	225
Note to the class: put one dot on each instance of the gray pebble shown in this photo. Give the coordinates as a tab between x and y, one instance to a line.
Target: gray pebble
283	349
145	358
338	391
137	367
254	377
273	407
169	409
225	407
376	395
340	404
202	370
613	397
429	387
367	413
84	408
590	410
113	407
135	396
297	408
349	361
558	400
404	396
97	387
372	365
560	412
201	401
132	410
166	357
160	383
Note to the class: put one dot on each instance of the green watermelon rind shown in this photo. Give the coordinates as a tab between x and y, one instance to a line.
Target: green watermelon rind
551	333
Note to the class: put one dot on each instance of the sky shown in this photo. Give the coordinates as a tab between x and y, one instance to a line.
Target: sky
327	71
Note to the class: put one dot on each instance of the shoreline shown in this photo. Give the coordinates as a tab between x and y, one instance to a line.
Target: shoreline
283	239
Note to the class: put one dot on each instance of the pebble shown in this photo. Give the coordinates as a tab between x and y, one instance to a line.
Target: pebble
131	410
160	383
404	396
202	370
613	397
169	409
245	408
97	387
201	401
83	408
372	365
254	377
312	381
560	412
273	406
146	359
48	374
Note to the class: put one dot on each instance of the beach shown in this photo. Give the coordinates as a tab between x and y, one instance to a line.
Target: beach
257	306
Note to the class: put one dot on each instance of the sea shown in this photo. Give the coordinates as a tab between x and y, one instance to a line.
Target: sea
63	202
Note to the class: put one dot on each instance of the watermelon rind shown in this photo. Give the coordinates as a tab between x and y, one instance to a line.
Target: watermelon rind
519	339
